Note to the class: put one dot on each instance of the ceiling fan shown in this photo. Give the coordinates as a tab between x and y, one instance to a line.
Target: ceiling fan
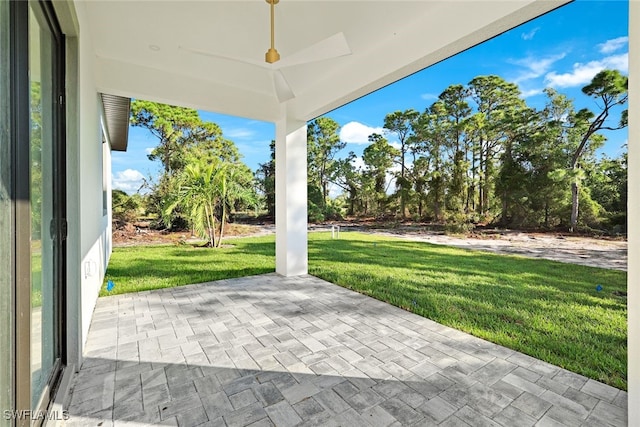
331	47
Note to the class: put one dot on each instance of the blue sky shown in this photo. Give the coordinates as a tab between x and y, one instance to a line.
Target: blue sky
563	49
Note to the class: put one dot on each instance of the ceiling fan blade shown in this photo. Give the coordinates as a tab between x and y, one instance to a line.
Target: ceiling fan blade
331	47
283	90
225	57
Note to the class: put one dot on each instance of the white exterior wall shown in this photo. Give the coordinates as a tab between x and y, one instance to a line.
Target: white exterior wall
93	227
89	240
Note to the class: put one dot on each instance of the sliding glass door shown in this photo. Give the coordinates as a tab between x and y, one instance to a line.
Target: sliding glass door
45	357
32	210
37	211
6	226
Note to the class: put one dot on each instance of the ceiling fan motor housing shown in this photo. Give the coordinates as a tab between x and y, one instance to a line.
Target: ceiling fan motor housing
272	56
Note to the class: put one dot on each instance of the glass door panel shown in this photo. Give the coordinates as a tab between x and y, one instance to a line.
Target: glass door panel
6	226
42	142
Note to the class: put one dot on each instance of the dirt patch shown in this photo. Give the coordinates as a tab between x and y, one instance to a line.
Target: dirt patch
139	235
584	250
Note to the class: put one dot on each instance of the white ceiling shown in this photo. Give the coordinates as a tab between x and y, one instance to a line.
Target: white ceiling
145	49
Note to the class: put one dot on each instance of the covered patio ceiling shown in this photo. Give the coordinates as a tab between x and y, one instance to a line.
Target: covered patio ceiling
210	54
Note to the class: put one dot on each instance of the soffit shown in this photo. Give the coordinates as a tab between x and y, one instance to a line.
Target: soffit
145	49
116	116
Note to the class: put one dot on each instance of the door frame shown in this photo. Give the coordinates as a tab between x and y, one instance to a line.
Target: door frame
21	177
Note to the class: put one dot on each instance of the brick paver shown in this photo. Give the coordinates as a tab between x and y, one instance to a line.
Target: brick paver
268	350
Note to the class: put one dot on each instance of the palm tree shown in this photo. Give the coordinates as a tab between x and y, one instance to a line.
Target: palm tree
207	188
197	192
235	186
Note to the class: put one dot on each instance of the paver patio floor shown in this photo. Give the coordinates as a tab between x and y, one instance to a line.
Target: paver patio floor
268	350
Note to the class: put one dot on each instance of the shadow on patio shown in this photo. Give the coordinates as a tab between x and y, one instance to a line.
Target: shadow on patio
269	350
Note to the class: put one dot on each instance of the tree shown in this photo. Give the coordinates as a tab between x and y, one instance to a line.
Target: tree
609	88
177	130
518	126
496	99
234	186
266	180
323	143
458	111
197	190
542	154
400	124
608	186
378	159
349	179
182	138
430	137
206	190
124	207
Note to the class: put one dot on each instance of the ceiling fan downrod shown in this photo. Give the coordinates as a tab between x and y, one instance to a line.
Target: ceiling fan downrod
272	54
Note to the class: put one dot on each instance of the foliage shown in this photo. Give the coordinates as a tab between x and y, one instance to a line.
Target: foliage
37	185
265	178
323	143
400	123
125	208
206	191
181	134
609	88
479	154
195	157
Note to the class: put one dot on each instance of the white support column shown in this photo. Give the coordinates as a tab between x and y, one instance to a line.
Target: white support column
633	277
291	197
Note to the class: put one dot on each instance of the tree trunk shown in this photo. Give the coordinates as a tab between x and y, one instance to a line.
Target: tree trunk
505	208
546	214
352	202
324	193
224	214
480	180
574	206
210	229
402	189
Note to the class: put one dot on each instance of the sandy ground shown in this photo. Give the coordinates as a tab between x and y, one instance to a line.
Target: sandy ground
590	251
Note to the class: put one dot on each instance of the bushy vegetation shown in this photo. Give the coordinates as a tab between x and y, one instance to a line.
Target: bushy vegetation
480	155
203	178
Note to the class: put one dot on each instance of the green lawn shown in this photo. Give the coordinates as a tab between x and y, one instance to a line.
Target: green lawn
549	310
140	268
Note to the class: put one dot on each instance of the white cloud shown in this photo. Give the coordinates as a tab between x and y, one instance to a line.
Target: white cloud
149	150
612	45
358	133
428	96
240	133
395	145
129	180
583	73
535	67
528	93
530	34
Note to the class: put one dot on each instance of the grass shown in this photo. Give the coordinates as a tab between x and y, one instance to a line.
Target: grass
549	310
141	268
